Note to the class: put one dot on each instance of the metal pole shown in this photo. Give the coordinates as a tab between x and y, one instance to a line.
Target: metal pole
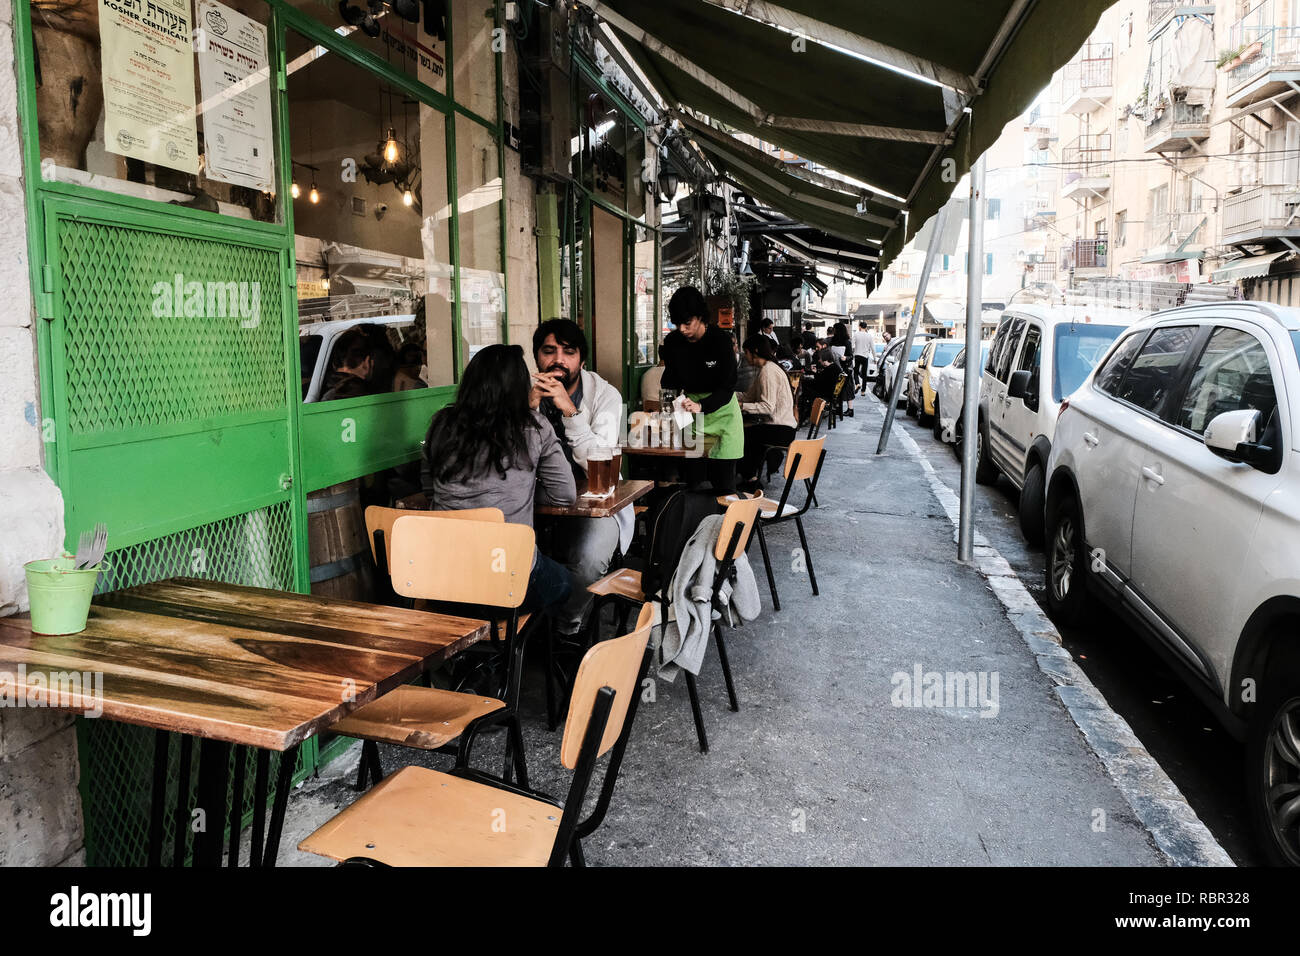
971	400
917	309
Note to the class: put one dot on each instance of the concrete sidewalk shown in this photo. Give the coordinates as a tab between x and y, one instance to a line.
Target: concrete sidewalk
833	757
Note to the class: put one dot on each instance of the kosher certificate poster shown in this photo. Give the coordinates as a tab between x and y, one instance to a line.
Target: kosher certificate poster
148	70
234	82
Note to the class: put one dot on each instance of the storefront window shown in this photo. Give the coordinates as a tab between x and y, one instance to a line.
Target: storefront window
643	297
480	195
418	48
475	63
160	100
370	225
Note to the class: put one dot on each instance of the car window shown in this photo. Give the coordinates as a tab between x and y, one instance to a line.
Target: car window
1008	350
1155	370
1233	373
1112	373
944	354
308	350
1030	354
996	349
1077	350
959	360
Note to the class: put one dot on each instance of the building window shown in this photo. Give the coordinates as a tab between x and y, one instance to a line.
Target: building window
1121	227
994	210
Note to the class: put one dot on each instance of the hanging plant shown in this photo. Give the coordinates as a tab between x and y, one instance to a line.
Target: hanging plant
735	287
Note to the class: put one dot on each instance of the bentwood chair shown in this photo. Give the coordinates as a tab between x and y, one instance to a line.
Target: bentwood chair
738	524
487	580
803	462
420	817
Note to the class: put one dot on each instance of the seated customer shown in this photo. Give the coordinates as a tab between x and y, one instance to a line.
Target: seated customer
587	414
492	448
770	400
352	365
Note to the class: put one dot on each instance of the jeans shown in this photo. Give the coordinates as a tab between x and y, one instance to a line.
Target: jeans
861	364
549	584
585	546
758	438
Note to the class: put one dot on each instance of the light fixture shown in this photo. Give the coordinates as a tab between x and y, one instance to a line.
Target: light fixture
390	147
668	183
407	198
313	196
368	22
294	189
325	283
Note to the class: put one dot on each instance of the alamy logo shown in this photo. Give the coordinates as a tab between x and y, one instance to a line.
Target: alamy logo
74	908
65	690
210	300
952	690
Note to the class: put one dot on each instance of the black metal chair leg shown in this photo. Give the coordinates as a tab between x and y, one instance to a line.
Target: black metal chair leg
695	712
767	563
363	767
803	540
262	766
575	853
726	666
288	760
516	738
551	718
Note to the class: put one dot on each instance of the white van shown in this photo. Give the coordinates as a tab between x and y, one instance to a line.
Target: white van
1040	354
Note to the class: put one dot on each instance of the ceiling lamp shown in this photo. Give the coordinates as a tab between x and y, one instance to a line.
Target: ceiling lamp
390	147
313	196
294	190
407	198
367	22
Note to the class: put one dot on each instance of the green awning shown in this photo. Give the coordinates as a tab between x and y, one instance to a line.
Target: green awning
895	133
1252	267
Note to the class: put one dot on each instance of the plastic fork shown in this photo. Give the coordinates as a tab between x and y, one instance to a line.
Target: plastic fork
84	544
91	547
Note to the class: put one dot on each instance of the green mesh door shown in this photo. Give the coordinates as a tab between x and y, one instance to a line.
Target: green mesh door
173	424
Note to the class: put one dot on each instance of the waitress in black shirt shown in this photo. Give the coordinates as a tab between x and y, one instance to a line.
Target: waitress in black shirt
699	360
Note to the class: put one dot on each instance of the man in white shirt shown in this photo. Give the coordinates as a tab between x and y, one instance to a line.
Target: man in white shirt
864	351
586	412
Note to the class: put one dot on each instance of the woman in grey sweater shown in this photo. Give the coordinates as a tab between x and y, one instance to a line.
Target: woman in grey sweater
493	449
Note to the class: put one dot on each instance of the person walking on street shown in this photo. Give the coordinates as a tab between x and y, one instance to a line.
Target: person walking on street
864	349
699	360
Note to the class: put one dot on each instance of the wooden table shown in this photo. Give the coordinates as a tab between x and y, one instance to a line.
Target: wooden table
232	665
699	449
625	493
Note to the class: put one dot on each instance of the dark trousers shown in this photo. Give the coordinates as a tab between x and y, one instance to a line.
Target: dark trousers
758	438
861	365
548	584
718	472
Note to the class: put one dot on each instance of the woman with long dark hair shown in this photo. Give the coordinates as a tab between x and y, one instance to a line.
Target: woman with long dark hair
842	346
492	448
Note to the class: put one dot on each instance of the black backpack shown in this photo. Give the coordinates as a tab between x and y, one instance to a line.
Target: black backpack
671	527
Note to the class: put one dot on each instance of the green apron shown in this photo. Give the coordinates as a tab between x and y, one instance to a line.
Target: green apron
725	425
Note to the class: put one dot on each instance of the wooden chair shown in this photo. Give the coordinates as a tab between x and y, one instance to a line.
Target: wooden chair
803	462
488	579
836	414
420	817
738	524
379	529
815	417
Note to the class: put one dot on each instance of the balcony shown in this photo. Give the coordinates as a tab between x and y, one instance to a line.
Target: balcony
1086	82
1174	236
1267	56
1161	12
1086	166
1176	126
1260	213
1086	257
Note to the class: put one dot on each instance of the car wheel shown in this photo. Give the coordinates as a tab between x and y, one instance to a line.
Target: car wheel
986	473
1067	563
911	405
936	427
1031	505
1273	765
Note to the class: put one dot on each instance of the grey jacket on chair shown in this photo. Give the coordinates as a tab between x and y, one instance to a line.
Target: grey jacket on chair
686	637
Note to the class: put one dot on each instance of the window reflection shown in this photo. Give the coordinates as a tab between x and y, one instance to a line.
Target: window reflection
480	192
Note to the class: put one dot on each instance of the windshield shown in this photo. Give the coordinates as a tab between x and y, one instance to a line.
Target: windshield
308	350
944	354
1078	350
916	352
1295	340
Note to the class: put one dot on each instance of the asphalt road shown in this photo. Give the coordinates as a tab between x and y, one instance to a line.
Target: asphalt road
1203	759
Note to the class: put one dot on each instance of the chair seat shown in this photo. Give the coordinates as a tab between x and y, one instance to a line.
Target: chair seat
420	817
420	717
623	583
767	510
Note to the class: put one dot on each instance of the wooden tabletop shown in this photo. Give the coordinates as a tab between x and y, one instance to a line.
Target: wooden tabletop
699	449
239	664
625	492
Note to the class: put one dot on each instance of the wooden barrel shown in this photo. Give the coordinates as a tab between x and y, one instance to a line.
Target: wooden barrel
337	548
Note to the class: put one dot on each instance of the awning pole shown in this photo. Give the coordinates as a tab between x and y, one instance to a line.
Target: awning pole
917	309
973	373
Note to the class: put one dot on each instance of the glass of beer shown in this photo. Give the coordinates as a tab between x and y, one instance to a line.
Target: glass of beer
598	468
615	467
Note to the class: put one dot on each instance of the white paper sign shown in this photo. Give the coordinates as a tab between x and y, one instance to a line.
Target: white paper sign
234	80
148	75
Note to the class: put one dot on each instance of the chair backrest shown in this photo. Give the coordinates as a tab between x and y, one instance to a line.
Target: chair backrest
615	664
818	407
808	452
744	513
379	518
444	558
839	386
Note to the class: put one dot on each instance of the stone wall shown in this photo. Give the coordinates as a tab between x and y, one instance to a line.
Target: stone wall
40	808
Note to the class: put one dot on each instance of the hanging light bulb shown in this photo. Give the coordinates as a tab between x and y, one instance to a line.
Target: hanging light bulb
325	283
407	198
314	196
294	190
390	147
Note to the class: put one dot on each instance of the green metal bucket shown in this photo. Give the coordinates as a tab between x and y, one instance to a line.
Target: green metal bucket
60	596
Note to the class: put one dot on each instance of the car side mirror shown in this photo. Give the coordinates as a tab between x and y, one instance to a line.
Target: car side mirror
1018	387
1235	436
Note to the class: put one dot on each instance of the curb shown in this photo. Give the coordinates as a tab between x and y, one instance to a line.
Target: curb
1154	797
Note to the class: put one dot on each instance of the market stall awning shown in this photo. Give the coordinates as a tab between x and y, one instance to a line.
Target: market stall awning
1251	267
822	79
826	250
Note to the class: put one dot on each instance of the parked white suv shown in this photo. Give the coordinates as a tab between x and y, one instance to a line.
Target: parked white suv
1039	355
1174	495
